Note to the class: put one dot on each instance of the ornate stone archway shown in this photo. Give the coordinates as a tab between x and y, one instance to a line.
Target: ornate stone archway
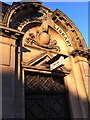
47	34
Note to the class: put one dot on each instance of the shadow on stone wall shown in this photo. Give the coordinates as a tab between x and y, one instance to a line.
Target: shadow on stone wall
13	98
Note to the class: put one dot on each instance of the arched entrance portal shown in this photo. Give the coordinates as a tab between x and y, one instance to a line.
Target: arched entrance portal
46	96
50	60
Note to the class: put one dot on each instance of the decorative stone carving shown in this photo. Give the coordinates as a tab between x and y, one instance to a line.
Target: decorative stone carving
42	39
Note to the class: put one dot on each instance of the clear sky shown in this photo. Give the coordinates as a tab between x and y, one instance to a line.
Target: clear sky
76	11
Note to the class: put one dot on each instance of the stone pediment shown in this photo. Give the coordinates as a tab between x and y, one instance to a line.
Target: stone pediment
39	60
40	63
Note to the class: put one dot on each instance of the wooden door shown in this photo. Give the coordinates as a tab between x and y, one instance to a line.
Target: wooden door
45	97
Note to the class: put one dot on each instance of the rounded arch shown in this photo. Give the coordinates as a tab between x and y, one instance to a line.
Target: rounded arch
28	25
18	11
26	15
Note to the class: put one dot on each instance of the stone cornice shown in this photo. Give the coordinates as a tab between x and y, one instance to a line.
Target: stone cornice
12	33
79	52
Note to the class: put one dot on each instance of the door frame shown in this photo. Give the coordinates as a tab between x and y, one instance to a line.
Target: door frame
44	72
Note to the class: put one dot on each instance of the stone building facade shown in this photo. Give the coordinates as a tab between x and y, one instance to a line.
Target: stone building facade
44	64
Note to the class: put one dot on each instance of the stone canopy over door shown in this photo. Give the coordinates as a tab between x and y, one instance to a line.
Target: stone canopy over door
48	35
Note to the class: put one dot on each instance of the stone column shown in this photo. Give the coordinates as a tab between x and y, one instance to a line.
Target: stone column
19	104
8	66
82	95
7	69
74	103
77	82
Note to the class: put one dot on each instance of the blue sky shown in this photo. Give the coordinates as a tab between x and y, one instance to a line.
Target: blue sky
76	11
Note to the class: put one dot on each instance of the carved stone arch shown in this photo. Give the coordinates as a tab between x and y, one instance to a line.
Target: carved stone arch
19	19
70	29
26	25
12	19
18	11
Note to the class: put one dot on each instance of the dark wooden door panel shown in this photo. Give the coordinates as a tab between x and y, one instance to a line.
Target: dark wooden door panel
35	107
46	107
45	97
43	84
57	107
